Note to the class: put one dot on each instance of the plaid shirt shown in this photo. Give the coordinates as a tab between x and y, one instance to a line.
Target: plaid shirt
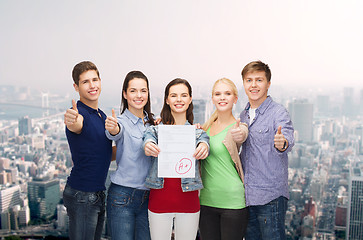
265	167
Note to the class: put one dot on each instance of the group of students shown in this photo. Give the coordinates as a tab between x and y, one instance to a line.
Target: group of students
240	187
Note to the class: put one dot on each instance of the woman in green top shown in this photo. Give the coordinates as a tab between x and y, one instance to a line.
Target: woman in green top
223	213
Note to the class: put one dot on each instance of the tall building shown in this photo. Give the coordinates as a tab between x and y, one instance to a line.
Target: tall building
361	102
24	125
355	205
9	197
24	216
5	220
43	195
323	104
301	112
199	110
348	108
62	217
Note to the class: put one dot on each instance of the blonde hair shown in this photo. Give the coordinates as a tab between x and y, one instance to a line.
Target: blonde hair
214	115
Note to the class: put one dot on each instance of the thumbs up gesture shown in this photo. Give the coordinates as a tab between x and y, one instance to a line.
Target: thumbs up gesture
238	135
72	119
111	124
280	141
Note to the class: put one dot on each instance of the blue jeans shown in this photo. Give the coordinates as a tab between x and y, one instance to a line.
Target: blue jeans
267	221
127	215
86	211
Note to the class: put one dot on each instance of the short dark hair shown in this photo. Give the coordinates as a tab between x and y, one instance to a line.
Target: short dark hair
166	116
81	68
147	108
257	66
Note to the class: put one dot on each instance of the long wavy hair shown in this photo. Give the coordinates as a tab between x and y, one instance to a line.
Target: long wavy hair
124	104
166	116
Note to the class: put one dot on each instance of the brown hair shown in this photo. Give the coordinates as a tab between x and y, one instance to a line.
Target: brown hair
257	66
81	68
166	116
147	108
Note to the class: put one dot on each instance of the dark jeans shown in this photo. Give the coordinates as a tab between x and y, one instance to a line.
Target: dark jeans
222	224
86	211
127	215
267	221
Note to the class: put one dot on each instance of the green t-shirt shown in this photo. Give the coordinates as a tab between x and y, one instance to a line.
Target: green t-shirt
223	188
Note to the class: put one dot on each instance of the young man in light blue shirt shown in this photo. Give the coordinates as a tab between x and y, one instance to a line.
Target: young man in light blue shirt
264	155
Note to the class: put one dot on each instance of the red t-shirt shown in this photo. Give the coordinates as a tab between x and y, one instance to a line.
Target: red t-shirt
171	198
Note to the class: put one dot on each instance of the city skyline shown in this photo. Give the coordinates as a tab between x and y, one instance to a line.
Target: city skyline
34	149
311	45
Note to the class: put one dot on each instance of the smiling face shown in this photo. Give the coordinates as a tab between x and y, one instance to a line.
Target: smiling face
178	99
256	87
89	88
223	97
136	95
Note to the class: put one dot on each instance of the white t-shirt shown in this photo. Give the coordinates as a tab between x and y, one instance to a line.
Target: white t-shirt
252	112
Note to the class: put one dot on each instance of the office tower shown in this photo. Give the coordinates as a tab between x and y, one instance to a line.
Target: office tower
14	217
4	163
310	209
348	108
5	220
301	112
43	195
355	205
4	136
307	227
38	141
9	197
359	132
323	104
24	216
341	215
199	110
24	125
62	217
361	102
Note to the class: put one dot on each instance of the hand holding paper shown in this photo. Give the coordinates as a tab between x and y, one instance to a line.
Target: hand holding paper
201	152
151	149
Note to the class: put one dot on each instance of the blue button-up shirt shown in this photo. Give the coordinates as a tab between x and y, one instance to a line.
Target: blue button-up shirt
265	167
132	163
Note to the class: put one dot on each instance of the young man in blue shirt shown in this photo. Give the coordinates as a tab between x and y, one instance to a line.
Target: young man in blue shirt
91	151
264	155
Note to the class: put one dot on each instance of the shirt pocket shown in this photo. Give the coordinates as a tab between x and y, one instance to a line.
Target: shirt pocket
261	135
136	141
136	134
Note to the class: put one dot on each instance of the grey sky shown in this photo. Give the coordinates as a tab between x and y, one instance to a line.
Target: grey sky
311	43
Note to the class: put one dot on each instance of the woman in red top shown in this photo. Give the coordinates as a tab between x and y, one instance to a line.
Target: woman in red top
172	200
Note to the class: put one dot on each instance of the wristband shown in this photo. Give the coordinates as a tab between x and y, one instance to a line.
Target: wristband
285	145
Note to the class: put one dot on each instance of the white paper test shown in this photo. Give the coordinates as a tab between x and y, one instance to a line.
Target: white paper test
177	146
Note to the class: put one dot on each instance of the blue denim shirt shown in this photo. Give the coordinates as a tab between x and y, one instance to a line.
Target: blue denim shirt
265	167
187	184
132	163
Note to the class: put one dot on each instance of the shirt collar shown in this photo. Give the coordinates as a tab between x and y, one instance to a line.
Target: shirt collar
133	118
262	108
89	109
